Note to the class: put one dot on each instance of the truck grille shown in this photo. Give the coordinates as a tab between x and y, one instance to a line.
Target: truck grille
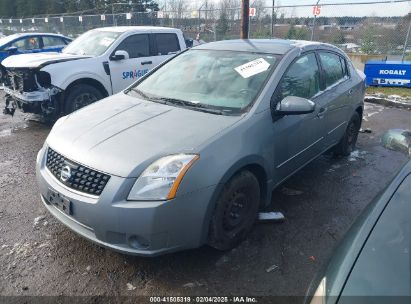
76	176
21	80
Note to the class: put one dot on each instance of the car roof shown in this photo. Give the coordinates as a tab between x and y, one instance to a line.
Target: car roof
272	46
17	35
123	29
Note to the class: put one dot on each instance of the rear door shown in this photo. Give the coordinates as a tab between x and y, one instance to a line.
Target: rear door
338	88
125	72
52	44
165	46
299	138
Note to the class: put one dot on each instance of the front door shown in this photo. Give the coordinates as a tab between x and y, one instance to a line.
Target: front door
125	72
26	45
299	138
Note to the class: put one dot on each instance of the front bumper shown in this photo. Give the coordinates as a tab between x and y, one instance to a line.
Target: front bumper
28	97
145	228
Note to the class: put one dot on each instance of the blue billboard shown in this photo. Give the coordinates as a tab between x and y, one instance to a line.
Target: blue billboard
388	73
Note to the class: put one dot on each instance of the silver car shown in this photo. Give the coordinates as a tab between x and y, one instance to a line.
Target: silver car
188	154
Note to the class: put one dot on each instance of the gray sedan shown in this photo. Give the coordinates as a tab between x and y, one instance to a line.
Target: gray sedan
188	154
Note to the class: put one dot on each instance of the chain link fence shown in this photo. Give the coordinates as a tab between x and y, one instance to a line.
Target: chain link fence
364	30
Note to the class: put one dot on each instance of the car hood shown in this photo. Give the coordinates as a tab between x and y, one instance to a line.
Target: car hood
121	135
35	60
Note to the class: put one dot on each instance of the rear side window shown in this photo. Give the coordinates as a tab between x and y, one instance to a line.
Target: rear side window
302	79
136	46
49	41
166	43
334	68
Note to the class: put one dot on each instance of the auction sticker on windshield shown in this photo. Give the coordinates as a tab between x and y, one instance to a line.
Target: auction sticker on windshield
252	68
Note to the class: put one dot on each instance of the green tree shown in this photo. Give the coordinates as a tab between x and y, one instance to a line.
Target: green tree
368	45
222	25
299	33
338	38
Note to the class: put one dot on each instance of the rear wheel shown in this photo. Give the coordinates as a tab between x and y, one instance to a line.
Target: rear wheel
235	212
79	96
349	139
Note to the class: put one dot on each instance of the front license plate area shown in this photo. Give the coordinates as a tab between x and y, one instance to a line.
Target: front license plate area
59	201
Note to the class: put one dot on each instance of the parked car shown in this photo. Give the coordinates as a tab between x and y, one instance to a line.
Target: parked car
26	43
97	64
372	263
187	154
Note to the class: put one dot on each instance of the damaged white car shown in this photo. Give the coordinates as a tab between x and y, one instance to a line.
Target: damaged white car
99	63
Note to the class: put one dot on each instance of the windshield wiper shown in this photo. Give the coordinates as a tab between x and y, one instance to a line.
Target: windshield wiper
193	105
145	96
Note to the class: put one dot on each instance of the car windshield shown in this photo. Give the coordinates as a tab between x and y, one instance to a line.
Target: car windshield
7	39
226	81
92	43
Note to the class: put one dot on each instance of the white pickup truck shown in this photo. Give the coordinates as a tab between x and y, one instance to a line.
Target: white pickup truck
99	63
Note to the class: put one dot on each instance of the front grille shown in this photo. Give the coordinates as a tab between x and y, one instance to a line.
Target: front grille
21	80
76	176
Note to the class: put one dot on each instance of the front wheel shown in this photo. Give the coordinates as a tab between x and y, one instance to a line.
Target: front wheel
235	212
79	96
349	139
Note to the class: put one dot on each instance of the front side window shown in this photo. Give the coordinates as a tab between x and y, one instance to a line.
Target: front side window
223	80
302	79
167	43
92	43
333	68
31	43
136	46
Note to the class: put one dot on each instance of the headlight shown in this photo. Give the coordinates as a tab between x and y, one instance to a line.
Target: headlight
161	179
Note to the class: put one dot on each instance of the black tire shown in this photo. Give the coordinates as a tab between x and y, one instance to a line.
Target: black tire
349	139
79	96
235	212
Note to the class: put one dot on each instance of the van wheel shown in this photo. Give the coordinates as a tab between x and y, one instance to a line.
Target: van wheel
79	96
235	212
349	139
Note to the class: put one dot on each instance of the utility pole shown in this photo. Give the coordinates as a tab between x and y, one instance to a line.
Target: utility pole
406	39
312	29
245	13
272	20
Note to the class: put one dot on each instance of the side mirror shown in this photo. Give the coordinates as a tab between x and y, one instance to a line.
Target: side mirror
119	55
189	43
398	140
12	50
293	105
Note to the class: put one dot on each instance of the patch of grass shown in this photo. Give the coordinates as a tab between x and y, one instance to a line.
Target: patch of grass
403	92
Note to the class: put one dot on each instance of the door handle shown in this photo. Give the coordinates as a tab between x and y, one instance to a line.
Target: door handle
146	62
350	92
321	112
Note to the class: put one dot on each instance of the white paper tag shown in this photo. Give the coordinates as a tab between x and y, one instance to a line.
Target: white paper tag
252	68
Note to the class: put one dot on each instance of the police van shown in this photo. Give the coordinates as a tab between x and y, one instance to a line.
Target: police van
99	63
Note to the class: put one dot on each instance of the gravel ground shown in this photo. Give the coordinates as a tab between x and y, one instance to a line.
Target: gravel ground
39	256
